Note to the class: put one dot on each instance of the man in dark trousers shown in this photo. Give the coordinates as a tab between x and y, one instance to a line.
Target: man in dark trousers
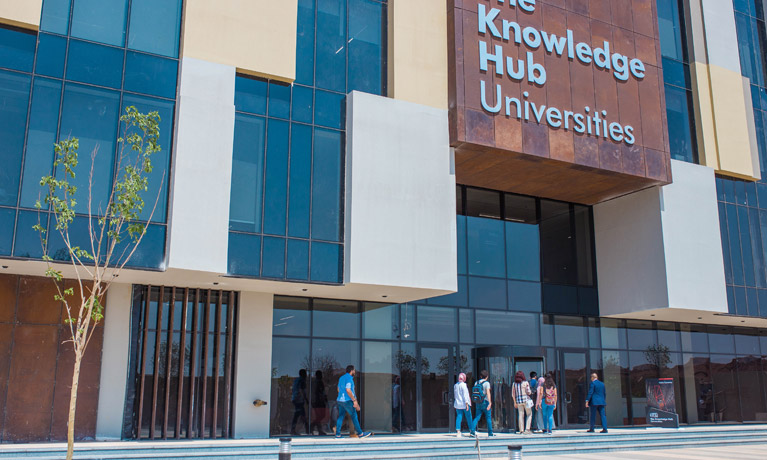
596	401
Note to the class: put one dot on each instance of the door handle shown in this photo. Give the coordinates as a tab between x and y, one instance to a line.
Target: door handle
445	398
568	397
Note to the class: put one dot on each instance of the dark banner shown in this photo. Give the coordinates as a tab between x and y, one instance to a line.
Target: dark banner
661	403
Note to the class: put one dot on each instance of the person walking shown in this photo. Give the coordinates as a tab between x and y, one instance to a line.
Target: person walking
319	404
596	402
462	405
347	403
539	402
520	393
534	426
480	394
298	398
549	403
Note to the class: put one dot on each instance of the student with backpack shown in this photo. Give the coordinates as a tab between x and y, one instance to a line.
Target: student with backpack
480	394
549	403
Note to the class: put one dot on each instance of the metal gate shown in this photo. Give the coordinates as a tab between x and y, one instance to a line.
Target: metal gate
181	378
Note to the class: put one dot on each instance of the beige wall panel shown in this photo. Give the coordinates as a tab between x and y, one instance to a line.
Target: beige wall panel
418	51
732	124
21	13
708	154
255	36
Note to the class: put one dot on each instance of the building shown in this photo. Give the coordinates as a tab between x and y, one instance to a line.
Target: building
417	188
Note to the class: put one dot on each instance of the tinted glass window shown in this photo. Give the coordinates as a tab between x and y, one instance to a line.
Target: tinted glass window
326	185
520	209
55	17
247	173
273	257
557	247
244	254
507	328
483	203
466	325
14	100
326	262
17	49
461	237
302	104
155	26
276	181
458	299
279	100
250	95
298	260
95	64
150	74
570	332
694	338
523	252
380	321
329	109
524	296
336	318
669	336
487	293
51	51
331	49
486	247
641	335
720	339
7	221
437	324
291	316
367	18
100	20
305	43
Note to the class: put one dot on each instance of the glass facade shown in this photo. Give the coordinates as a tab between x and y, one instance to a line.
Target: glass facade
742	204
89	60
677	83
286	209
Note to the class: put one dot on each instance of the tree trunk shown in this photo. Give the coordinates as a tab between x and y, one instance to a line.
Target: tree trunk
73	403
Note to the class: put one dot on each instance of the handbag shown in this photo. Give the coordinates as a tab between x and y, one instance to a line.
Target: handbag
529	403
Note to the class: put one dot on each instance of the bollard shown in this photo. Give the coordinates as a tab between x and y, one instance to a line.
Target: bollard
284	449
515	452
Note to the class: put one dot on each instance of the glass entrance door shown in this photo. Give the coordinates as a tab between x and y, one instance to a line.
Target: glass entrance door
573	388
437	364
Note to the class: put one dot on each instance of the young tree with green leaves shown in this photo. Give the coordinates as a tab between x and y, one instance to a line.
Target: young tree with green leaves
114	230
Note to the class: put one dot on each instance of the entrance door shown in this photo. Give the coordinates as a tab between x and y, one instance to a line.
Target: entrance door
437	364
574	387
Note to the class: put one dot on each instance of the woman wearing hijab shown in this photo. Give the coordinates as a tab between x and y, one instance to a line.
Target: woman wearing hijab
538	403
462	404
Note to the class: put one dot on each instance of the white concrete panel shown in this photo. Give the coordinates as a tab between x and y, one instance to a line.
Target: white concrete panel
202	167
630	258
721	34
692	240
400	195
254	364
659	251
114	362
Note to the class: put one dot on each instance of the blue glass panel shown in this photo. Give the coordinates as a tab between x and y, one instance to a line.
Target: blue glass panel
680	128
55	16
326	262
43	122
740	193
247	173
461	237
331	45
155	26
719	189
366	51
91	114
675	73
507	328
741	5
78	236
279	100
303	104
524	296
745	244
14	102
158	178
329	109
100	21
731	306
560	299
436	324
523	252
276	188
756	247
458	299
7	222
735	252
96	64
753	302
27	240
486	247
726	242
751	194
17	49
250	95
487	293
273	258
150	75
762	294
151	251
327	185
729	189
244	254
300	180
298	260
305	43
588	301
51	52
670	29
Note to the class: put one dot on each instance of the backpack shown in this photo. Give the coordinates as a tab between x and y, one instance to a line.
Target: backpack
551	396
478	392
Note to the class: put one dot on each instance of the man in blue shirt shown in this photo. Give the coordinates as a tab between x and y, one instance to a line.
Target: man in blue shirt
347	402
596	401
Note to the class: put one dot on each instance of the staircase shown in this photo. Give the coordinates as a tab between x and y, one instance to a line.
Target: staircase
425	447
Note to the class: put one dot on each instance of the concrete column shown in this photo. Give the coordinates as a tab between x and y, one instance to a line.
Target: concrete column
254	364
114	362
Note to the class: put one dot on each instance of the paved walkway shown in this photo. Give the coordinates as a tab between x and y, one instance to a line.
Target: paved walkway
747	452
